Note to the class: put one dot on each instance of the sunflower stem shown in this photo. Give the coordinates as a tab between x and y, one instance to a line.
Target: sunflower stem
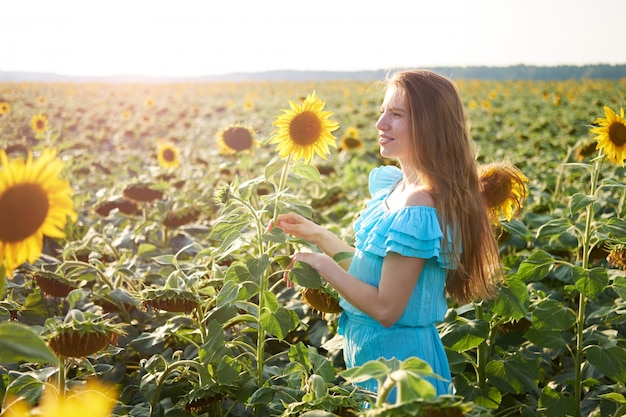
62	376
281	185
620	204
582	299
90	266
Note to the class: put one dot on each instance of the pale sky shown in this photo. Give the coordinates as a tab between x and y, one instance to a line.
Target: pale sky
207	37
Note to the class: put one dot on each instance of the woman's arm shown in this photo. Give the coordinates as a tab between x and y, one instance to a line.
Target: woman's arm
384	303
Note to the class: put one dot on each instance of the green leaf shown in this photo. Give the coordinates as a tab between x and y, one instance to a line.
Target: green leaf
552	315
557	404
552	229
619	286
550	339
306	171
26	386
273	167
616	397
536	267
300	353
258	266
515	227
213	348
613	228
371	369
164	259
305	275
488	397
513	375
145	248
228	294
463	334
610	361
19	343
271	301
411	386
227	371
513	299
590	282
340	257
280	323
579	201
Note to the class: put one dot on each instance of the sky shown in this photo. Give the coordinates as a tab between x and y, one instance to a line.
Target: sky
211	37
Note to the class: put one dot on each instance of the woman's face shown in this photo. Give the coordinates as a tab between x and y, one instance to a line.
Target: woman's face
394	127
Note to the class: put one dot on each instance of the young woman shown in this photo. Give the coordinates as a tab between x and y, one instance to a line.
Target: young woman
424	232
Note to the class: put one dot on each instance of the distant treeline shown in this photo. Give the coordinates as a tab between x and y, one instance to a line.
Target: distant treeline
525	72
515	72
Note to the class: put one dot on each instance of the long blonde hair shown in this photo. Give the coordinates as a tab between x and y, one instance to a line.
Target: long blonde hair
443	153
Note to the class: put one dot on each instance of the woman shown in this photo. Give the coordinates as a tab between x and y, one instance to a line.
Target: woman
394	291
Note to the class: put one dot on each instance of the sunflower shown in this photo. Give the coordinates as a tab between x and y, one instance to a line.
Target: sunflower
168	156
350	141
586	150
94	399
504	190
617	257
39	123
5	108
611	135
304	130
235	139
350	144
34	202
142	192
81	334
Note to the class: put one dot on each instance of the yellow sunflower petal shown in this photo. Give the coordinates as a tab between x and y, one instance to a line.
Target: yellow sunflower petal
34	202
611	135
168	155
304	130
504	190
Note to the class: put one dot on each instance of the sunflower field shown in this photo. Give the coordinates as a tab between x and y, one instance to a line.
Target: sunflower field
140	274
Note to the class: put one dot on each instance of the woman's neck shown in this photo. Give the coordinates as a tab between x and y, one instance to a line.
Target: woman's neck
411	177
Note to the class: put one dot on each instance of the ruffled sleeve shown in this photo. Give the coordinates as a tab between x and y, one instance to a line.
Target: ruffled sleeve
382	178
412	231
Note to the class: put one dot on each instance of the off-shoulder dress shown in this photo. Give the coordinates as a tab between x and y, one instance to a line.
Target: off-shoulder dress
410	231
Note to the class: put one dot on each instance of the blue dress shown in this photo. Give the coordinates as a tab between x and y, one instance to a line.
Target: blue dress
410	231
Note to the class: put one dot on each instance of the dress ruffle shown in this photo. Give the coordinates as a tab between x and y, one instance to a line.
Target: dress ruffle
411	231
383	178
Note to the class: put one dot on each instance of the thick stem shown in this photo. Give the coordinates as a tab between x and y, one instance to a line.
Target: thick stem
281	186
582	299
62	376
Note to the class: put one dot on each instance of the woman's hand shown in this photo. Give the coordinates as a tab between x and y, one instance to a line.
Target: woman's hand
322	263
296	225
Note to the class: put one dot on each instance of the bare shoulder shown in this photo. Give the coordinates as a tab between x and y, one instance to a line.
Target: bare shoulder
420	198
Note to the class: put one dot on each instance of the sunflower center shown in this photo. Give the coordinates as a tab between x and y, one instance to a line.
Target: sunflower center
617	133
496	188
305	128
23	209
169	155
352	143
238	138
40	124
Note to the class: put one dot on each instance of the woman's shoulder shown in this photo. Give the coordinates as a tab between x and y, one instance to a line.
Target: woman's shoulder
383	177
420	198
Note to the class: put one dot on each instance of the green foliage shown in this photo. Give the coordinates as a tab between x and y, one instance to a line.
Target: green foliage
552	343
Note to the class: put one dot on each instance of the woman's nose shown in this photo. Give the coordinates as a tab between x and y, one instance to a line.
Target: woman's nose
381	122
